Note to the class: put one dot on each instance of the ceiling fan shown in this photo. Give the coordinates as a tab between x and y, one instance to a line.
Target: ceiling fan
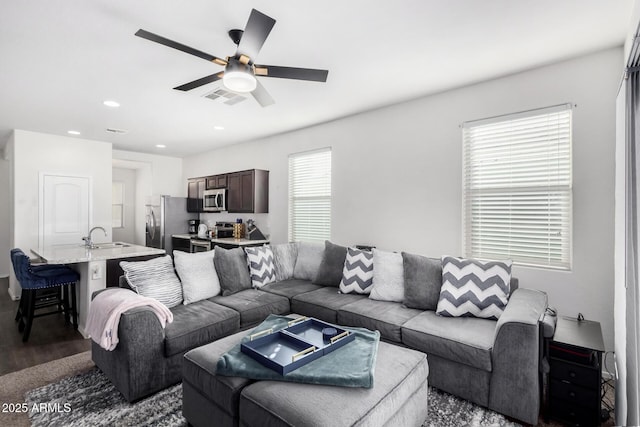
240	70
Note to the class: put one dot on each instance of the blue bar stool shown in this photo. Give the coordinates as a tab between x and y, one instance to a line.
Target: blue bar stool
43	286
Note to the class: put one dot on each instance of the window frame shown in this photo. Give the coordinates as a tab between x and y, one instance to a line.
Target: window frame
291	199
559	197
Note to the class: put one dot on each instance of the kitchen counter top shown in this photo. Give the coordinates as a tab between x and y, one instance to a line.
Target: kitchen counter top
92	266
72	254
224	240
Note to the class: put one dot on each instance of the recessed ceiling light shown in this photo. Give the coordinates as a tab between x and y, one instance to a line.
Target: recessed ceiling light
110	103
161	146
218	127
73	132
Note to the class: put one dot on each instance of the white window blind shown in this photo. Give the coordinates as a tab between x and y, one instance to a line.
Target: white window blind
310	196
117	204
517	188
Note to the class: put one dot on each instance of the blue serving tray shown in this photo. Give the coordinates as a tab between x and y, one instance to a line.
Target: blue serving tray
290	348
280	351
310	330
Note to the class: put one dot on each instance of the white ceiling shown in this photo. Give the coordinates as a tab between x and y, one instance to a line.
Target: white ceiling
60	59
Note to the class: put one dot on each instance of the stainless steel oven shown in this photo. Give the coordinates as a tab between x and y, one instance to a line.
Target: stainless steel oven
214	200
198	245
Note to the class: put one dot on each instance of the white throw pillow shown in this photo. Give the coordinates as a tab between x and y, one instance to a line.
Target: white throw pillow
284	260
154	278
198	275
261	268
388	276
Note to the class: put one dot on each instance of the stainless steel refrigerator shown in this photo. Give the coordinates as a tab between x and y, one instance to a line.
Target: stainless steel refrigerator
165	216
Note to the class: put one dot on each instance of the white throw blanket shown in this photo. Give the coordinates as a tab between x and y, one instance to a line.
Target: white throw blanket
105	311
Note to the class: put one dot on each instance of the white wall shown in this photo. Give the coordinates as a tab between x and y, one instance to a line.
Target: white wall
5	261
31	153
397	178
155	174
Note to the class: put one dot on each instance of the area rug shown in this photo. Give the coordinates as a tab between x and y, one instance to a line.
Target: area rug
89	399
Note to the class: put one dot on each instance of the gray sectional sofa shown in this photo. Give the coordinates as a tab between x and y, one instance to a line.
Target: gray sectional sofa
492	363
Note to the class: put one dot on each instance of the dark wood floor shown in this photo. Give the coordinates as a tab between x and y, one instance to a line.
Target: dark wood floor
50	338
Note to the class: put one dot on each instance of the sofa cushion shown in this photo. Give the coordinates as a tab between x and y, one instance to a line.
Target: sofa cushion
330	270
323	303
357	273
197	274
154	278
388	276
308	260
198	324
384	316
474	288
422	281
284	260
290	288
232	269
466	340
261	267
254	305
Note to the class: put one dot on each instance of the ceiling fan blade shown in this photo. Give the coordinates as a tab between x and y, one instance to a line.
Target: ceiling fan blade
255	33
200	82
262	96
179	46
292	73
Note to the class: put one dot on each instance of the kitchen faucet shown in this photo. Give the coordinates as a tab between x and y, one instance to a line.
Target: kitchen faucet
87	240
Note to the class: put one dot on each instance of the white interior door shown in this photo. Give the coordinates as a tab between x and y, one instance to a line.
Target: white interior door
64	209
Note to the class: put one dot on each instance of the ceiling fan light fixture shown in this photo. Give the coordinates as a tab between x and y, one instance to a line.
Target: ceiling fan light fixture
239	81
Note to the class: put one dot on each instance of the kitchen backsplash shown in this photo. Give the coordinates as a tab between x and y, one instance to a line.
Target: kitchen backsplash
261	220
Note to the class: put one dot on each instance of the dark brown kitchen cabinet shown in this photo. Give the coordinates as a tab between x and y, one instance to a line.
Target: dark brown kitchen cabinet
195	193
248	191
217	181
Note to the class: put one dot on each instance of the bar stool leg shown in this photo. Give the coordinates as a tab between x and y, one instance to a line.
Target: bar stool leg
31	306
74	306
20	312
64	289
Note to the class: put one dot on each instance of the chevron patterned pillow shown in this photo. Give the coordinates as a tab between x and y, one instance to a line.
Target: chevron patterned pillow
472	288
261	267
357	274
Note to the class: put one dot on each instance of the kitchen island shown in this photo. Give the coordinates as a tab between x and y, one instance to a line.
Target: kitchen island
91	264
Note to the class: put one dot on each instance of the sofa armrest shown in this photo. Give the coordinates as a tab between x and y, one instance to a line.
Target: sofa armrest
515	380
133	365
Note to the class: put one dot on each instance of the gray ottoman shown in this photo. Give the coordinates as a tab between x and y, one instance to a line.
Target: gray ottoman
399	396
209	399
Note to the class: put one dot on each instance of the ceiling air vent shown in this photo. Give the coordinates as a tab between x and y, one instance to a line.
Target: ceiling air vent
225	96
114	130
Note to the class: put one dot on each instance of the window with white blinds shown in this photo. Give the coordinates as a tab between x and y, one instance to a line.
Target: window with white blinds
517	188
310	196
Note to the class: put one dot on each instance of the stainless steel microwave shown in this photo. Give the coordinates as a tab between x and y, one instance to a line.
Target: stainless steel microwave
214	200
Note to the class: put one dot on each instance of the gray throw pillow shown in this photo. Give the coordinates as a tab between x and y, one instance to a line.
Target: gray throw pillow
154	278
330	270
422	281
233	271
308	261
284	260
